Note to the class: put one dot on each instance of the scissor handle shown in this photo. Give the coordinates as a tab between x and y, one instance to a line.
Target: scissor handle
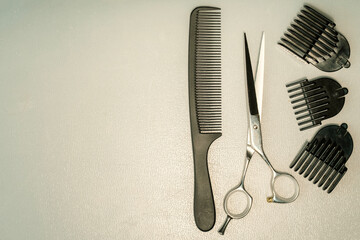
249	199
230	215
276	198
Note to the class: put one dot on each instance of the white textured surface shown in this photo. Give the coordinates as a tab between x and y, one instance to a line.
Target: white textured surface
94	126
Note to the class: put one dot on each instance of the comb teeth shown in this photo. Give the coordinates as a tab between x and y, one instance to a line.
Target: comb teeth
316	100
313	39
208	69
323	159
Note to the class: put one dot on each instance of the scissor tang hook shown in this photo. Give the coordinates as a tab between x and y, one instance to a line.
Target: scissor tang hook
240	188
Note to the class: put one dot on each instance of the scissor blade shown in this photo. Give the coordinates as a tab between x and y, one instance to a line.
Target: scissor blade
250	82
259	77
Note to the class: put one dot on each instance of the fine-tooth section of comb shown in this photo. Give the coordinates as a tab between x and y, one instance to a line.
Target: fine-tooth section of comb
323	159
205	104
316	100
313	39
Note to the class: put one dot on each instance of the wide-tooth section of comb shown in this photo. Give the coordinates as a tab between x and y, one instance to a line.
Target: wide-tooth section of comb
208	70
323	159
316	100
312	38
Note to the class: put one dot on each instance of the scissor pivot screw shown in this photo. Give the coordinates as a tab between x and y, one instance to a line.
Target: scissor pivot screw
255	127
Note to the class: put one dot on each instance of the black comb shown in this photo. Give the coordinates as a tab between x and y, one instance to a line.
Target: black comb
316	100
312	38
324	158
205	104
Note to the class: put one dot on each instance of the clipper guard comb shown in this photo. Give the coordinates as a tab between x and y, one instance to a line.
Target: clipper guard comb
324	158
313	39
316	100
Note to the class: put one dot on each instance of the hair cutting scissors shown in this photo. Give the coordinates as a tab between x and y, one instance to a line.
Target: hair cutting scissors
254	139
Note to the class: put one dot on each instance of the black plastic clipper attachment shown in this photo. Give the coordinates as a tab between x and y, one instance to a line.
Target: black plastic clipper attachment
313	39
323	159
316	100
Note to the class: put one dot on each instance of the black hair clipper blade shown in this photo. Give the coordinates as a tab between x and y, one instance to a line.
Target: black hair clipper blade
313	39
316	100
323	159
